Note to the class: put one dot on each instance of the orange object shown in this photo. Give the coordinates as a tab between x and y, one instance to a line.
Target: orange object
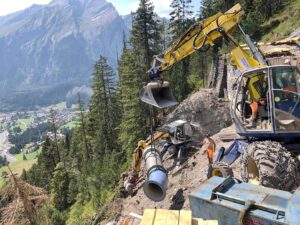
254	108
210	148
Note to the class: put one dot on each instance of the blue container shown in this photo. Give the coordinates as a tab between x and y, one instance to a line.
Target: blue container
156	185
229	202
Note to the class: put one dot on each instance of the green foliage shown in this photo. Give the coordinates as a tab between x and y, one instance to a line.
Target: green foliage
59	188
57	217
145	37
133	124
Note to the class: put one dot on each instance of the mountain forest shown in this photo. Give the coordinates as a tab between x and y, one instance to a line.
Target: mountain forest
77	177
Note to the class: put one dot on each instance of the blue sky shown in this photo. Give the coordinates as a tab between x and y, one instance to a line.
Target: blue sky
123	6
162	7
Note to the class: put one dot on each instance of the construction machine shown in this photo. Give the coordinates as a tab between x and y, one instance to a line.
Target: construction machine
265	107
174	136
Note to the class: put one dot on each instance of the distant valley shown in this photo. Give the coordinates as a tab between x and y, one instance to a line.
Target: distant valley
47	52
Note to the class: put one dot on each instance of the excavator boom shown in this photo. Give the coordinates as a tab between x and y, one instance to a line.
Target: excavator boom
198	37
201	34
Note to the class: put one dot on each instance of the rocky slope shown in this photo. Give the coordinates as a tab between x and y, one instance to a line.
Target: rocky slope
52	48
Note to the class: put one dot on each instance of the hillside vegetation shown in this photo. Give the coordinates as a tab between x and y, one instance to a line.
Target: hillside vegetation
283	23
81	171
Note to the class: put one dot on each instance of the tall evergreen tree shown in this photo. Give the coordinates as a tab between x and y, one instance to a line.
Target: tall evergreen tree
179	23
134	124
145	36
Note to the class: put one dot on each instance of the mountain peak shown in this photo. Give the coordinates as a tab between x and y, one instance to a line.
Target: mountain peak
54	46
82	3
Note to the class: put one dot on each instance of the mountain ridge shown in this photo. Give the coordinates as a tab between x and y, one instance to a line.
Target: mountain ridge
50	45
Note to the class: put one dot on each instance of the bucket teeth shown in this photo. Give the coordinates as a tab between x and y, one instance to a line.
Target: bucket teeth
158	94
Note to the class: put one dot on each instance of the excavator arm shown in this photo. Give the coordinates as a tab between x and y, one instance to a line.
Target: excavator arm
200	36
138	152
203	34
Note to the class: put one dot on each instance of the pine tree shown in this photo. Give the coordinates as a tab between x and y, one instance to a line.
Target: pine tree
59	187
145	36
133	124
179	23
101	116
207	9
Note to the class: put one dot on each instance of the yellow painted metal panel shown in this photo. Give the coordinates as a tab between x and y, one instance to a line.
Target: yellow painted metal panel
148	217
201	33
173	217
185	217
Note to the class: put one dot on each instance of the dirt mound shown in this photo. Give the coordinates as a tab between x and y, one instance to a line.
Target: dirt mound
205	111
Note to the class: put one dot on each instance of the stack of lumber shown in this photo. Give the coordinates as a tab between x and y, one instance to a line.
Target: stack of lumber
172	217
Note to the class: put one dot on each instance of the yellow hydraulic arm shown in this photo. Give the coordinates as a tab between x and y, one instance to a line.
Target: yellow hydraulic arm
138	152
206	33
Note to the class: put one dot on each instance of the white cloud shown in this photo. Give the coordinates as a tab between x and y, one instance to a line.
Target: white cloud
9	6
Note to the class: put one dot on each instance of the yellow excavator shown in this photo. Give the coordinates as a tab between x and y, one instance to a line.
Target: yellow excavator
265	107
196	38
174	137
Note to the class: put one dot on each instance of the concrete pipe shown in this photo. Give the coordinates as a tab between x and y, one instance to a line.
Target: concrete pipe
156	184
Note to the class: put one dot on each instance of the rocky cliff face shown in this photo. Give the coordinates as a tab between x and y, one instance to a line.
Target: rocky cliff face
55	45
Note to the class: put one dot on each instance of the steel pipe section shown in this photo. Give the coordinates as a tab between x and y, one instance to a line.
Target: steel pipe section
157	180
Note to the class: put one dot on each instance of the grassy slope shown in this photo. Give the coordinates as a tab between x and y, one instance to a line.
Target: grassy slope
284	23
21	164
24	123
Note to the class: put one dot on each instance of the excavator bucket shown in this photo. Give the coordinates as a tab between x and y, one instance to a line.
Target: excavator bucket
158	94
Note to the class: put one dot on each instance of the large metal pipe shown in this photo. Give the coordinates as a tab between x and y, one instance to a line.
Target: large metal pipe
157	180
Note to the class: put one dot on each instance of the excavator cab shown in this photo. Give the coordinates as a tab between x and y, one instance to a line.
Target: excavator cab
267	102
158	93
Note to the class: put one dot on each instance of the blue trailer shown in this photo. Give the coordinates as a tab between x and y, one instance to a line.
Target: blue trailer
232	202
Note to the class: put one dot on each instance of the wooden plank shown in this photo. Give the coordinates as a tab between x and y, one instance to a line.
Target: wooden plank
136	215
197	221
211	222
173	217
161	217
185	217
148	217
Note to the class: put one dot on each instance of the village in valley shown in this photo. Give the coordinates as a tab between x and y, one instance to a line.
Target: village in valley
22	133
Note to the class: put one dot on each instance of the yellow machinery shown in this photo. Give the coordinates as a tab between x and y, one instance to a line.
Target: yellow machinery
265	105
175	135
197	37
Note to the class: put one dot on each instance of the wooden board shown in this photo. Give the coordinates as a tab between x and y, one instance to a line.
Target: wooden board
161	217
173	217
148	217
210	222
185	217
197	221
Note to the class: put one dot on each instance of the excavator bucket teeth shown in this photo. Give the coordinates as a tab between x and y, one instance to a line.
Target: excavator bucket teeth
158	94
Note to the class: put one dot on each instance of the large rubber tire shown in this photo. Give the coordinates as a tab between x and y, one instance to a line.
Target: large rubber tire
220	169
275	166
